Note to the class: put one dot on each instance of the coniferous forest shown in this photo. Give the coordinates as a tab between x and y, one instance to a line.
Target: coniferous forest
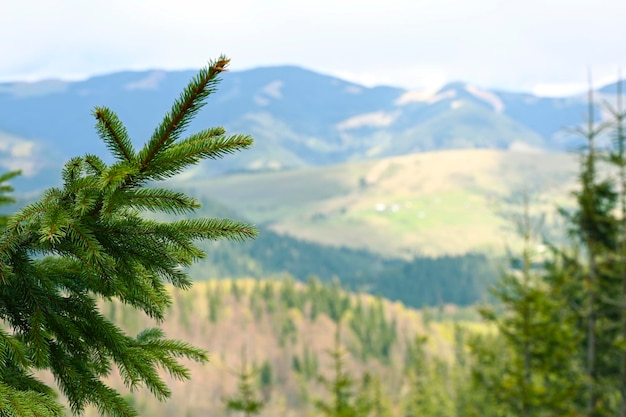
101	316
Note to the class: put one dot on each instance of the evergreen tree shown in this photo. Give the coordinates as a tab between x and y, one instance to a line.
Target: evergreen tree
345	400
595	200
537	374
595	229
88	241
266	380
215	300
374	392
617	157
235	291
245	400
429	392
375	333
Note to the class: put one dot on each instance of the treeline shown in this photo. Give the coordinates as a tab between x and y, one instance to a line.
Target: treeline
374	332
461	279
372	368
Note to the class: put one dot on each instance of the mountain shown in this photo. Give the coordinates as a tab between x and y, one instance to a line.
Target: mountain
298	117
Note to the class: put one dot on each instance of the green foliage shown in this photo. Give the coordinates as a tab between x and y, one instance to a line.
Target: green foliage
618	158
307	365
598	287
327	299
266	379
288	331
374	331
345	400
458	279
428	390
557	350
245	400
374	391
88	240
5	197
537	374
235	290
291	297
214	300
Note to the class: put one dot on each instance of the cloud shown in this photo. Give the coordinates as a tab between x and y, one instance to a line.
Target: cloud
414	44
559	89
17	153
22	149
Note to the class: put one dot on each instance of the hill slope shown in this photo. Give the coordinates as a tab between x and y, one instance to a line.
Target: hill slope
287	329
436	203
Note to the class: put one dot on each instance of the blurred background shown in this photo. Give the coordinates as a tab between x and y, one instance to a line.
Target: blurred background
395	143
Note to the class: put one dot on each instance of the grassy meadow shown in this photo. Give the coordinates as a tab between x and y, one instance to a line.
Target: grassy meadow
435	203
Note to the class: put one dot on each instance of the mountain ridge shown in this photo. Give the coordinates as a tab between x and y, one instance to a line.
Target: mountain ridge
298	117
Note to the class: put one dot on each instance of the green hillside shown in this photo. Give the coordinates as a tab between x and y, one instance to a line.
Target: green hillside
423	280
436	203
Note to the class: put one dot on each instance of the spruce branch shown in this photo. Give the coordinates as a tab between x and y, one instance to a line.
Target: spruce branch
194	149
87	240
13	349
215	229
6	188
159	199
29	403
183	110
114	134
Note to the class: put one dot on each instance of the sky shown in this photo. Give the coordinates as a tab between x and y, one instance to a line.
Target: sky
540	46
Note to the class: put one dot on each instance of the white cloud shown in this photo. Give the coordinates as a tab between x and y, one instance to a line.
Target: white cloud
22	149
17	153
559	89
572	88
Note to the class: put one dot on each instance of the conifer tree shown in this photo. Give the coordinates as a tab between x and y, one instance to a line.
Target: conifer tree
345	400
246	401
428	384
537	374
594	227
618	158
88	241
593	232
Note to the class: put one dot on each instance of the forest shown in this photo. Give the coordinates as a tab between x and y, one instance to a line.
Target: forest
89	283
